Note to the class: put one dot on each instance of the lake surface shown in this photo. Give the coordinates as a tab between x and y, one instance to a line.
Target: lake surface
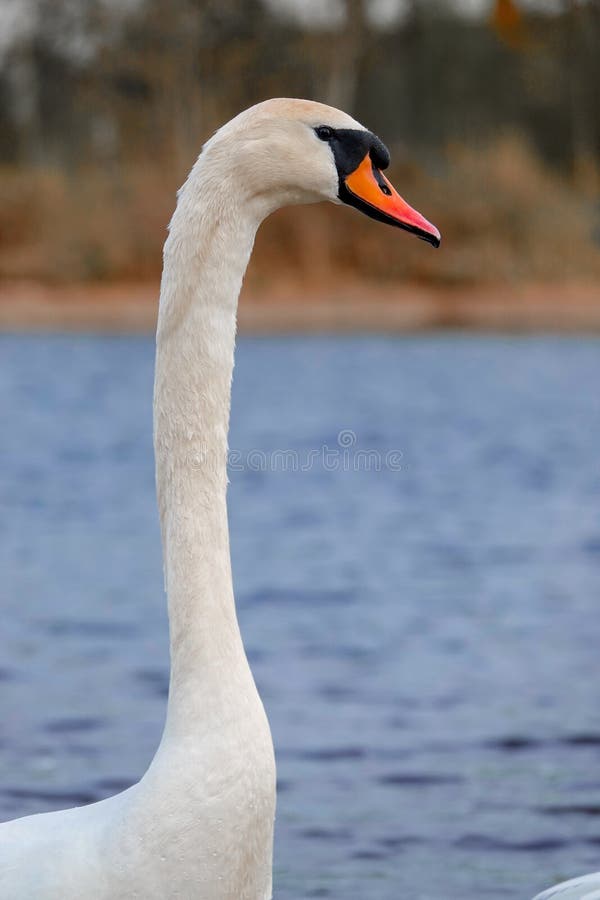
416	547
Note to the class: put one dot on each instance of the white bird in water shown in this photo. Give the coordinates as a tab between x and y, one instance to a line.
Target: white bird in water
199	824
587	887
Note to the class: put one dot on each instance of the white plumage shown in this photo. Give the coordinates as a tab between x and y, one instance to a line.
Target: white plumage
587	887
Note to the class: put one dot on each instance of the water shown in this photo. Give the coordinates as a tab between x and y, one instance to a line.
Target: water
425	637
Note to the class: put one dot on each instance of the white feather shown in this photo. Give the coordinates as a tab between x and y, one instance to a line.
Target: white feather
587	887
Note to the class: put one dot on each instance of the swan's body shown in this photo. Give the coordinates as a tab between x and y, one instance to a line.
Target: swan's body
587	887
199	825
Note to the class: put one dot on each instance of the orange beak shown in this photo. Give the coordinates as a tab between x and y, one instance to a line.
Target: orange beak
369	190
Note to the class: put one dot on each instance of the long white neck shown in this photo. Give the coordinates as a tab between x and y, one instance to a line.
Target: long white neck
206	254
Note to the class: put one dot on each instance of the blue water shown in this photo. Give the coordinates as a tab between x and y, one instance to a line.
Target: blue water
423	624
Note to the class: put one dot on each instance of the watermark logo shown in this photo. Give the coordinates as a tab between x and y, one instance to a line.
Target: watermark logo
346	455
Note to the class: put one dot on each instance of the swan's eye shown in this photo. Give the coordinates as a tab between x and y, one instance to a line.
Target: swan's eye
324	132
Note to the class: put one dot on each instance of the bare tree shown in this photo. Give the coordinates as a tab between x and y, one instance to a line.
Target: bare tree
347	56
580	27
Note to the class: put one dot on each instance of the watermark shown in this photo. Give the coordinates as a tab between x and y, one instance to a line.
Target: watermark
346	455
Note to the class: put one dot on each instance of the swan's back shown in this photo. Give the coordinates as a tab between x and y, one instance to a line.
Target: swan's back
57	854
586	887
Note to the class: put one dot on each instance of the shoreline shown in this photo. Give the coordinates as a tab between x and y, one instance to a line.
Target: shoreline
123	308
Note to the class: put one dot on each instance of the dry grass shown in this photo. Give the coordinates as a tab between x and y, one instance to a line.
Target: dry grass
91	226
504	217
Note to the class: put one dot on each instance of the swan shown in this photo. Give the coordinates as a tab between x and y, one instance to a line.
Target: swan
199	824
586	887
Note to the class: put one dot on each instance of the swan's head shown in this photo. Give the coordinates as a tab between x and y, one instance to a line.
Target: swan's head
282	152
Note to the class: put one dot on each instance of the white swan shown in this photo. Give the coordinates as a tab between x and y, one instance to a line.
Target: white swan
587	887
199	825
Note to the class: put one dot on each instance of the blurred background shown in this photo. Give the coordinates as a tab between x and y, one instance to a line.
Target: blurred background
424	634
490	108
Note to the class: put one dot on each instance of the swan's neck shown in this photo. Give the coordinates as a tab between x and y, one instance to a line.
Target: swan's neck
206	254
